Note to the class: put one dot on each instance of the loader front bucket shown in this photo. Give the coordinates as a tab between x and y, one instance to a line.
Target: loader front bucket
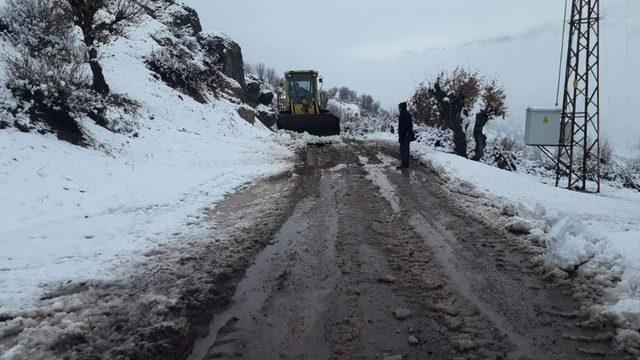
317	124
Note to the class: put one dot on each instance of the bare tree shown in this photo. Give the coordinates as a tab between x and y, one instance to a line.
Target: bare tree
455	94
261	70
248	69
347	95
271	77
366	103
331	93
89	17
452	98
376	108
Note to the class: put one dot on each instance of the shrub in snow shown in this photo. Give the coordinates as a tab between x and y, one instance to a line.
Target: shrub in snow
629	173
367	105
360	126
40	26
49	90
452	98
47	76
347	95
45	72
357	122
359	114
503	155
625	172
436	137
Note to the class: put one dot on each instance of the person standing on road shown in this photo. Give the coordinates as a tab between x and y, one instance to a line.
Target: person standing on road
405	134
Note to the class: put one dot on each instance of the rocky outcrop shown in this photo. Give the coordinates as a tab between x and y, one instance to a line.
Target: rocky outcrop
202	64
252	90
254	93
260	99
198	64
267	116
219	49
266	98
247	113
228	55
184	19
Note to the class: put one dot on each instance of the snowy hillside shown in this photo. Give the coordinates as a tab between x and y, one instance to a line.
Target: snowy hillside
71	214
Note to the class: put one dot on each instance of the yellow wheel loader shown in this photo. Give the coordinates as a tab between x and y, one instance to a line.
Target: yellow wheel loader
303	105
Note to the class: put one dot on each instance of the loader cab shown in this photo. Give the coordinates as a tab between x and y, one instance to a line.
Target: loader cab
302	87
302	93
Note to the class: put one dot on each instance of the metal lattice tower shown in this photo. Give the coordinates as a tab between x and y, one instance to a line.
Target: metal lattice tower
579	152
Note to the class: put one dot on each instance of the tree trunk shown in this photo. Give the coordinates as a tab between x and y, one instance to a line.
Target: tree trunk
454	121
481	139
451	111
459	137
99	82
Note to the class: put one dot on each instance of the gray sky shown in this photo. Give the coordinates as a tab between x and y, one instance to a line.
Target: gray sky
357	42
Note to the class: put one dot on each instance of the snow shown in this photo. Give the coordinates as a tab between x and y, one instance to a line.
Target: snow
375	174
519	225
344	109
600	233
70	214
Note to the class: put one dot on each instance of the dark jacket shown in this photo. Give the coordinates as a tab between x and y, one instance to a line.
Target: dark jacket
405	126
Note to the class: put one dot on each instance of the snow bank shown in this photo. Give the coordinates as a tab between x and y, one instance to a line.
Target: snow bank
70	214
344	110
598	235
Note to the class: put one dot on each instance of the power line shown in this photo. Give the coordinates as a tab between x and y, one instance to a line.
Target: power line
564	31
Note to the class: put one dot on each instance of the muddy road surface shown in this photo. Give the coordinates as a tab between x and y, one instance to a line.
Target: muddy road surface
376	263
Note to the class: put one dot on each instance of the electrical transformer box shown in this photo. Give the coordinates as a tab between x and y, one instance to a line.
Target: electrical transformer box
543	127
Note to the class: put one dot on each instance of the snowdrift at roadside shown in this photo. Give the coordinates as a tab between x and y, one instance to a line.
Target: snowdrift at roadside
596	235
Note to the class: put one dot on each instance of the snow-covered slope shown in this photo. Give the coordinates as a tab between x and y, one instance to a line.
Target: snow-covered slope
69	213
596	238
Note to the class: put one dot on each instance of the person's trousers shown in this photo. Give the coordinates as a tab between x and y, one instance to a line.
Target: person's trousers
405	152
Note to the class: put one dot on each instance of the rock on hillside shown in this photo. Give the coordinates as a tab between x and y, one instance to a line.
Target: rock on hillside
202	64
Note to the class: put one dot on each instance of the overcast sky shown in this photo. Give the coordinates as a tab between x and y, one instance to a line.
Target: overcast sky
354	42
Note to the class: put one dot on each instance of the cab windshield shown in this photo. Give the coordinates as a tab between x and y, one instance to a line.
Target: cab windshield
301	87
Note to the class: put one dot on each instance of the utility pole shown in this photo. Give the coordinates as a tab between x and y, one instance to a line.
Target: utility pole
579	152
